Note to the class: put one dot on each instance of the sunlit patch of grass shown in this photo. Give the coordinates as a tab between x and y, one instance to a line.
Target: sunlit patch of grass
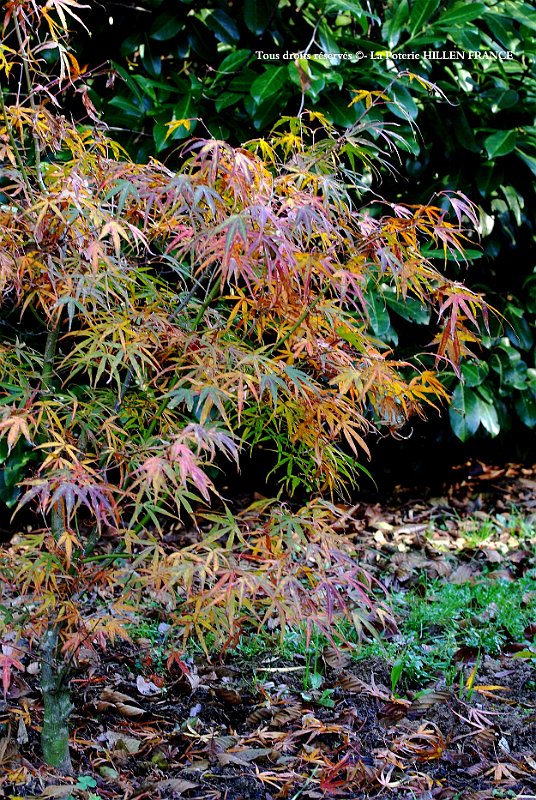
435	620
505	532
474	611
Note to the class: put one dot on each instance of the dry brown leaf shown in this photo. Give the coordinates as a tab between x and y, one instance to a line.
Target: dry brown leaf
22	732
476	770
229	696
8	750
504	773
528	483
518	556
335	658
57	791
111	696
119	741
287	714
393	711
440	566
463	574
243	757
485	738
122	702
425	744
186	683
305	80
465	654
259	715
177	785
493	556
426	701
18	688
501	575
224	742
412	530
225	671
219	744
350	683
129	711
381	525
194	680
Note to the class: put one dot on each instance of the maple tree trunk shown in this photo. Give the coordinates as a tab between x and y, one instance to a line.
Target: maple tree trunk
54	686
58	707
49	356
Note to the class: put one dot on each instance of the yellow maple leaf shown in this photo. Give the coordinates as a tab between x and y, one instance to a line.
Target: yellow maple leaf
16	426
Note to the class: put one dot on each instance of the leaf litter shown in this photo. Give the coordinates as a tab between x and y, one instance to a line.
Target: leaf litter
252	729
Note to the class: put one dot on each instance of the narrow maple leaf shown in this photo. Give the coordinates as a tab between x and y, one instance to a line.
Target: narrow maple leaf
7	661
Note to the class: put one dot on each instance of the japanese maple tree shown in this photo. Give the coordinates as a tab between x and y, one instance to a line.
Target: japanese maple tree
156	322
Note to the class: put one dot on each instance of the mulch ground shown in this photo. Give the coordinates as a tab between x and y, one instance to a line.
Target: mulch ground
233	731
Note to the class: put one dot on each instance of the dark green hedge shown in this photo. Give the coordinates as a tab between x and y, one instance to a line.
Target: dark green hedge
228	68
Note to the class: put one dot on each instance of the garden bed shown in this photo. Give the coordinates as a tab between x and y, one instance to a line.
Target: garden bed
442	706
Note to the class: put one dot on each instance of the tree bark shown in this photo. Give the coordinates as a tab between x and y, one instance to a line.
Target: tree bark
58	707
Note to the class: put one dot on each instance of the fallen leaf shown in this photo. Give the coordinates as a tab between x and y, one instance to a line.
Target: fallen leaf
492	687
426	701
465	654
287	714
381	525
393	711
178	785
147	688
119	741
229	696
108	772
463	574
122	702
8	751
493	556
222	743
335	658
425	744
525	654
350	683
476	770
57	791
259	715
486	738
242	757
18	688
500	575
22	733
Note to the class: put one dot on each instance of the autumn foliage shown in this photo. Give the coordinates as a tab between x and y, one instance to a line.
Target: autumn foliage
158	322
190	313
